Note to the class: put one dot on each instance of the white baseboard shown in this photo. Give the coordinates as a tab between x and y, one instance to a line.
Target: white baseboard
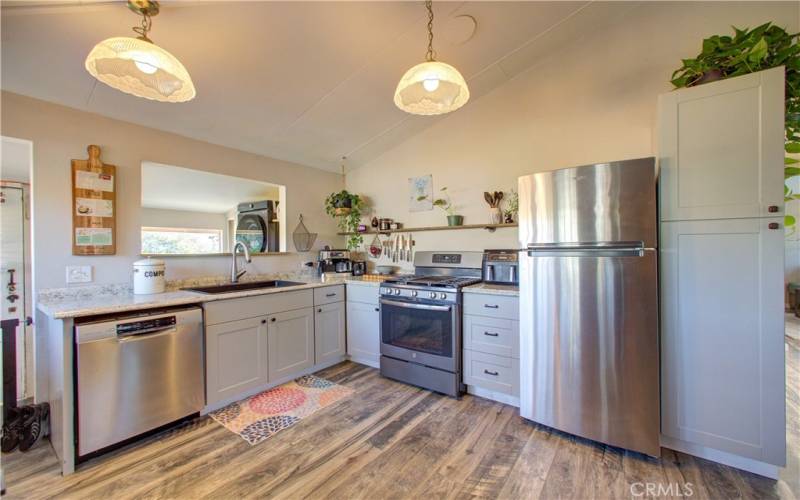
493	395
747	464
274	383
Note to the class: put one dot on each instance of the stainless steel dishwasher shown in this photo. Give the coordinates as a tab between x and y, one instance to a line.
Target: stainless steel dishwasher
136	373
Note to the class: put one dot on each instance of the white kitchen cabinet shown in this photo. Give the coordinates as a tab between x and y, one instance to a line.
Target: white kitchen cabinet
364	324
722	338
290	340
236	358
363	332
721	149
491	346
329	333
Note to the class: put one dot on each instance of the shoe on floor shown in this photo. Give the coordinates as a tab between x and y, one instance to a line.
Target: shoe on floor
35	427
14	427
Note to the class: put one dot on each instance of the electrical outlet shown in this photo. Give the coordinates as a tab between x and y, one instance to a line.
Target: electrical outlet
79	274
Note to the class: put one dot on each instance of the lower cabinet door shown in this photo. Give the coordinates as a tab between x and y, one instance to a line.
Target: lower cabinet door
722	336
329	329
290	337
363	333
236	358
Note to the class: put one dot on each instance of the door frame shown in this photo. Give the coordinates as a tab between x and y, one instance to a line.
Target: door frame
35	384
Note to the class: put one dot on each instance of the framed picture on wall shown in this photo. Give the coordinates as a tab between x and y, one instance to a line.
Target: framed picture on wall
420	193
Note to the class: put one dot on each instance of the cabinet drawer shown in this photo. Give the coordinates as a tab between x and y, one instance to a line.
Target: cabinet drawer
491	335
260	305
363	293
496	306
497	373
328	294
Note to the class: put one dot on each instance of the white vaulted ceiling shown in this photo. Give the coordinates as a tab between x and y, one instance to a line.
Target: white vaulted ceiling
306	82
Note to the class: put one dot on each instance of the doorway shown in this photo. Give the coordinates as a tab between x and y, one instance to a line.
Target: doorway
16	297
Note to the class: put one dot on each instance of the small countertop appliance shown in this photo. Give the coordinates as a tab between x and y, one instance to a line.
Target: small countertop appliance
501	267
334	261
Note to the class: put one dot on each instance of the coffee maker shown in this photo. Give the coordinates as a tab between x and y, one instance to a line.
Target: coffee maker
334	261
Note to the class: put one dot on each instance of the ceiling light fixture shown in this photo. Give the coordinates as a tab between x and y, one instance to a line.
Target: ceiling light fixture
432	87
138	66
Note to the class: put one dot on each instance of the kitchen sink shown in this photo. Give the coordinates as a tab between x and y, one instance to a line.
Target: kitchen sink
238	287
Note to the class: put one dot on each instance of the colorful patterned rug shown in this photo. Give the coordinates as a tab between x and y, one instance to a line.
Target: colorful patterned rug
259	417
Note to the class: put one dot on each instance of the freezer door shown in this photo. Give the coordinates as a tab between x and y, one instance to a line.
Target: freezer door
607	202
589	344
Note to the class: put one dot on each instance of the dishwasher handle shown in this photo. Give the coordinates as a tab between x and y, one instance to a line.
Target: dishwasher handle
144	335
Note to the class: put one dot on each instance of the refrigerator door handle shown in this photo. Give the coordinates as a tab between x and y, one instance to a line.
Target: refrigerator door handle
586	245
588	252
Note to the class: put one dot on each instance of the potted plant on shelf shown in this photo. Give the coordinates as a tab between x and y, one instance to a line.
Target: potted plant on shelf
748	51
346	208
446	204
512	207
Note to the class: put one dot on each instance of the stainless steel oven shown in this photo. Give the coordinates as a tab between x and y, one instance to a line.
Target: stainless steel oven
421	321
421	332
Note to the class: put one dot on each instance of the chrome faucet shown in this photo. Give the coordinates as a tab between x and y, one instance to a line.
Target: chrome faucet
235	272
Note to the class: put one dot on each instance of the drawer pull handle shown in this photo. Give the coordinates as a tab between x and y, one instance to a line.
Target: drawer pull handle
488	372
330	295
491	334
489	306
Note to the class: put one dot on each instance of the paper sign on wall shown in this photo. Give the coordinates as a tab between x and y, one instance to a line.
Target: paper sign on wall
93	236
92	207
94	181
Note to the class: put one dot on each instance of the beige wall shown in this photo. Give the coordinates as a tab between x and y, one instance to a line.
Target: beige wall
595	100
60	134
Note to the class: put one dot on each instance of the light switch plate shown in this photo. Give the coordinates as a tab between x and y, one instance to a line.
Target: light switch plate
79	274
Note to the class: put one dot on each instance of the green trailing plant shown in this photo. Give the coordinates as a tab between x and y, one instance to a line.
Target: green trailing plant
346	209
747	51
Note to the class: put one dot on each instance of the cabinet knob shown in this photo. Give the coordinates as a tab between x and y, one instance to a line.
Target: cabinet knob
772	209
273	320
263	321
774	225
319	310
377	309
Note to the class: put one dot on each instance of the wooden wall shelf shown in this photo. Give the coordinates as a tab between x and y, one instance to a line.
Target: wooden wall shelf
489	227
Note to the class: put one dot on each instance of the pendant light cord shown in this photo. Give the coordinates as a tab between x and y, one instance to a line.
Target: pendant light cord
431	55
147	24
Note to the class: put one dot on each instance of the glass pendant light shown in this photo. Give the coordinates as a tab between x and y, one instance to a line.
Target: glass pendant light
432	87
138	66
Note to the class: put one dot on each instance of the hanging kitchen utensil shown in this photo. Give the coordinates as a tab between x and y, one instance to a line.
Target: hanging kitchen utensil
303	239
376	248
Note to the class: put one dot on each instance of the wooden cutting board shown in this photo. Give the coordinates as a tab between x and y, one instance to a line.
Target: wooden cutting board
94	206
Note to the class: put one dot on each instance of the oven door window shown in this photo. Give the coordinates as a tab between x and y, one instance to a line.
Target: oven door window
418	329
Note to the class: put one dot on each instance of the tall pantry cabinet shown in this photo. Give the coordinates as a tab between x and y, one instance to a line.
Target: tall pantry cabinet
722	252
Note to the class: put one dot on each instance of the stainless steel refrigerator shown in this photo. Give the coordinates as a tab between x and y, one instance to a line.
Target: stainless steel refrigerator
589	359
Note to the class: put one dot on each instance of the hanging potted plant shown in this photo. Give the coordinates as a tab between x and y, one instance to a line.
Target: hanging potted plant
748	51
346	208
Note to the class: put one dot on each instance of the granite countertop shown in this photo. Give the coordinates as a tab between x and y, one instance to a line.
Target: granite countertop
126	301
492	289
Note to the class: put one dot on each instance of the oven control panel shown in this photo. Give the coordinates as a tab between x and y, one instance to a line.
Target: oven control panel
438	296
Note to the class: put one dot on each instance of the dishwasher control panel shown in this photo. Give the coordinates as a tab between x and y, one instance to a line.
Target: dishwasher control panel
144	326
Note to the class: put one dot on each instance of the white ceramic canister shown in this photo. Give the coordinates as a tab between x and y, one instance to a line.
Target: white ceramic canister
148	276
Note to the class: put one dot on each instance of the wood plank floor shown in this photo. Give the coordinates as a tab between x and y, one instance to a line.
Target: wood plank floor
391	440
